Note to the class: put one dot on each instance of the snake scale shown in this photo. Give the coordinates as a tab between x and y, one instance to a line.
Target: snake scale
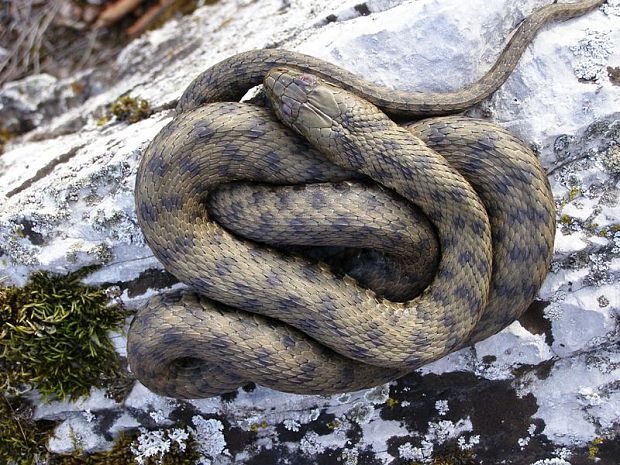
458	211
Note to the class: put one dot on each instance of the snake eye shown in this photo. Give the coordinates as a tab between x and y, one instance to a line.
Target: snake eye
307	79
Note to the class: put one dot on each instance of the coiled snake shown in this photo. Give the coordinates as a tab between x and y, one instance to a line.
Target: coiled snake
455	203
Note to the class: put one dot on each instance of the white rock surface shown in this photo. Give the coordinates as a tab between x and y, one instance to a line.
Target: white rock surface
67	201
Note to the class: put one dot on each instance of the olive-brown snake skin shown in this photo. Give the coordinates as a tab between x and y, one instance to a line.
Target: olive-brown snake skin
459	211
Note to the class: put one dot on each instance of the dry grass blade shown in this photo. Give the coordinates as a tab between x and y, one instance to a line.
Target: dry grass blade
26	23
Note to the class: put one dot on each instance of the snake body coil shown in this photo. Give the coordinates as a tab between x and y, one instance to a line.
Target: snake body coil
291	324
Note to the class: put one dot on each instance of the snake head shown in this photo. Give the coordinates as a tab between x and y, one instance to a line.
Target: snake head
302	101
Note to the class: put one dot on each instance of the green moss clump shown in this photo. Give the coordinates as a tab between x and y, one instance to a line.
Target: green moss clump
21	438
130	109
54	336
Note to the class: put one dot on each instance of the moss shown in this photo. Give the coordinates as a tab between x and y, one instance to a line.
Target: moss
5	136
254	427
102	120
593	449
334	425
566	219
55	336
21	438
130	109
121	454
573	193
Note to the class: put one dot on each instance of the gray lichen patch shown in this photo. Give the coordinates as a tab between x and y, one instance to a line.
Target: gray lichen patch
593	51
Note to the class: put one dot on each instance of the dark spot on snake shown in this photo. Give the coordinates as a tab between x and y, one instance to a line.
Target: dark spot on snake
503	289
255	133
457	195
183	244
436	137
171	338
411	192
458	222
355	159
376	336
189	164
435	215
318	199
359	353
308	325
478	227
205	133
157	165
308	368
252	305
263	355
220	343
298	225
288	342
274	280
223	267
290	302
164	254
465	257
484	144
483	267
232	152
172	202
315	172
344	221
273	159
441	298
438	196
502	187
465	293
147	212
242	288
517	254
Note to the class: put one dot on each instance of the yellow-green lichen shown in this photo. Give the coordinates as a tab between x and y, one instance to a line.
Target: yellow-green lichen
5	136
254	427
391	402
566	220
593	449
54	336
334	425
130	109
102	120
573	193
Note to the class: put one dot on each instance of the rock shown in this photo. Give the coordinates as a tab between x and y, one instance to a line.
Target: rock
539	391
19	101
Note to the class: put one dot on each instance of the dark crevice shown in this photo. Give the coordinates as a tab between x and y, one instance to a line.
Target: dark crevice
47	169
